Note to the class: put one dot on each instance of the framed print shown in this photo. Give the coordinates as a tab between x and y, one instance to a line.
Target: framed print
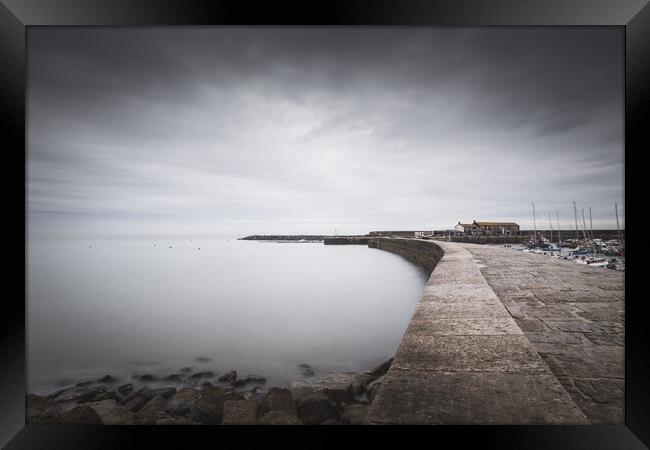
392	217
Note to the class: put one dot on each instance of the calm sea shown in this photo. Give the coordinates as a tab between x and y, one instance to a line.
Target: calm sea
152	306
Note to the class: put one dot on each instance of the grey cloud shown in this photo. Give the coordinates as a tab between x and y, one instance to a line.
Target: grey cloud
306	129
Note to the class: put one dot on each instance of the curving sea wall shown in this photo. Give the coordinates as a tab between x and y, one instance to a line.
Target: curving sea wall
421	252
463	359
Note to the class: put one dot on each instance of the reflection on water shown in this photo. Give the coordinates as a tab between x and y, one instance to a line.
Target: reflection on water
157	307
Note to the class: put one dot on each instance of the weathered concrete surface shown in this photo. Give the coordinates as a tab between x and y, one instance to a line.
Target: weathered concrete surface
463	358
573	315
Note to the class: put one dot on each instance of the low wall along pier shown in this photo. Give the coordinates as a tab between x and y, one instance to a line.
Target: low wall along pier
544	346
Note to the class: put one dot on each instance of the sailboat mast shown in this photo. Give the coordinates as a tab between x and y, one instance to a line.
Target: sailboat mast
618	228
575	214
534	224
550	222
591	224
557	216
584	225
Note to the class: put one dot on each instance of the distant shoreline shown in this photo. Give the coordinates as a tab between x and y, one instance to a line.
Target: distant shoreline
296	237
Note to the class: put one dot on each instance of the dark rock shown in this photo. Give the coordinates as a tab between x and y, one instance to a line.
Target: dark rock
176	421
381	369
344	386
83	383
372	388
184	403
135	403
120	416
239	412
306	370
103	407
206	384
185	369
81	414
203	359
280	418
257	394
199	375
233	395
91	395
278	399
354	414
146	377
109	395
66	395
316	409
331	422
174	378
148	394
228	377
39	409
125	388
300	389
106	379
210	404
153	410
250	379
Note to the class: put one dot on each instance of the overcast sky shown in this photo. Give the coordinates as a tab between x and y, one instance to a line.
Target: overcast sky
237	131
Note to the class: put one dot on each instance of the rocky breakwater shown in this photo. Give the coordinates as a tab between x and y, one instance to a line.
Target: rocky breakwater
336	399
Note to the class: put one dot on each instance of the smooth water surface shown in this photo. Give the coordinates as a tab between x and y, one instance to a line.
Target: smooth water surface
135	306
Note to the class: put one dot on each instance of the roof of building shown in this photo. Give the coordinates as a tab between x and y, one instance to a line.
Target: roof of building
495	223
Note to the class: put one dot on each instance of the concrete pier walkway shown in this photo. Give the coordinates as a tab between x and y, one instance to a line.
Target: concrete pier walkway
470	354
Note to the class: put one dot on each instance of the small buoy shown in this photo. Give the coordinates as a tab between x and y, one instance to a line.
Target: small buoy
170	246
199	248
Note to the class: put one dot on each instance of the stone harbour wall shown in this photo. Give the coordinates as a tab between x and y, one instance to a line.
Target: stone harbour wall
463	359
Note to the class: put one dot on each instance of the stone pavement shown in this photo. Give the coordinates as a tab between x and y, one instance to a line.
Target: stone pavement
464	359
573	315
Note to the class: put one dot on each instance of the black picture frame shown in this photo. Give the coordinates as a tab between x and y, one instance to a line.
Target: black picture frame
17	15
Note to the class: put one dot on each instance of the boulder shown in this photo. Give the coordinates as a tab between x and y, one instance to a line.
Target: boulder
183	403
120	416
92	395
153	410
239	412
125	388
300	389
316	408
381	369
66	395
103	407
107	379
354	414
344	387
250	380
280	418
146	377
306	370
233	395
229	377
173	378
331	422
210	405
372	388
200	375
176	421
148	394
39	409
185	369
135	403
81	414
278	399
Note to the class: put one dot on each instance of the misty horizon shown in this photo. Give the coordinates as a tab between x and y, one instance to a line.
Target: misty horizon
266	130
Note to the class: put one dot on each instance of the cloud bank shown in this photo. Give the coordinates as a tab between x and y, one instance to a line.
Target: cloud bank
234	131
